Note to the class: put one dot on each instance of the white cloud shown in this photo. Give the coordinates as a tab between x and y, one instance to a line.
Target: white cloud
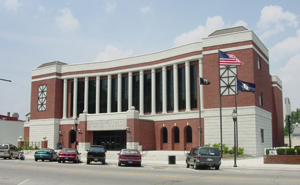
112	53
212	24
285	49
290	79
41	9
12	4
66	21
240	23
145	10
110	6
273	21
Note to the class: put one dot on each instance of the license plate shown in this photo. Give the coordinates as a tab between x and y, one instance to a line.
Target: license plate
96	159
66	157
209	159
129	161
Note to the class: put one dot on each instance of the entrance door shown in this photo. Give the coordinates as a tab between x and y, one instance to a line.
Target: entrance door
112	140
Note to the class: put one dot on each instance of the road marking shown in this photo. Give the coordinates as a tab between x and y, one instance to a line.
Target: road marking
149	175
23	182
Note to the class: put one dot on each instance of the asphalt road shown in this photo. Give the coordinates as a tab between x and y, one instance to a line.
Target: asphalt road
29	172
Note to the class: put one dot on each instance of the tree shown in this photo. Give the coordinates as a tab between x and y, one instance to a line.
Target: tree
293	119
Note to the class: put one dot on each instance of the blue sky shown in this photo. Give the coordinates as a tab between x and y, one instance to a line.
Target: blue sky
34	32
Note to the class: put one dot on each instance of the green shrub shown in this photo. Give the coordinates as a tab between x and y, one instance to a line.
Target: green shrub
207	145
240	150
36	148
20	148
290	151
298	151
280	151
217	146
225	149
231	151
30	148
267	151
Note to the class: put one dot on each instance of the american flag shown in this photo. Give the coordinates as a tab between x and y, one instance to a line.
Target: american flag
229	59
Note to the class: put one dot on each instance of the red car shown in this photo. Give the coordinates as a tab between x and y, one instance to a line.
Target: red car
130	156
69	154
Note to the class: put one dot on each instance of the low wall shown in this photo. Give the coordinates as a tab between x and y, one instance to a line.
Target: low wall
281	159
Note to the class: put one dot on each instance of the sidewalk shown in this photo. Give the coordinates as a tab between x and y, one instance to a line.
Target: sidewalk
162	158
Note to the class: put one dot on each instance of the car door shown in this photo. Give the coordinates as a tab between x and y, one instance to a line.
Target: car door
188	157
195	154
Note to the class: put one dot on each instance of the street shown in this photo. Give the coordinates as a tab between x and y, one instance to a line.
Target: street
27	172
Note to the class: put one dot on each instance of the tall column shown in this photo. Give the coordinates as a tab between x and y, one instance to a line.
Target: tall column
119	92
108	93
175	79
201	86
164	89
129	90
153	97
97	94
187	87
75	98
65	98
141	92
86	94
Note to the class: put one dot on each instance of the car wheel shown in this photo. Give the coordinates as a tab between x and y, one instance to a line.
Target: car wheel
35	160
43	160
139	165
10	157
217	167
63	161
50	159
119	164
195	166
58	161
4	157
103	162
87	162
187	164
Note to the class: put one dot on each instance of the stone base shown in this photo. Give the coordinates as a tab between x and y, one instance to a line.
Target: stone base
281	159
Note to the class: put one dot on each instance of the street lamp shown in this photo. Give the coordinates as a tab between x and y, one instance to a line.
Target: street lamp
76	123
234	116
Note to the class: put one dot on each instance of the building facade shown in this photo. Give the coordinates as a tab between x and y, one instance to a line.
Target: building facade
151	102
11	128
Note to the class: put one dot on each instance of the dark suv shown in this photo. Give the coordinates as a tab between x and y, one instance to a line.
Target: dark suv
203	157
96	153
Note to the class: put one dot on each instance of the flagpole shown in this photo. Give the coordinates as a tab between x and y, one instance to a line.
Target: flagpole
237	135
221	137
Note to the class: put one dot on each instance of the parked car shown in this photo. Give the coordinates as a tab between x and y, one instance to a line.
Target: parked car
69	154
203	157
8	151
96	153
130	156
45	154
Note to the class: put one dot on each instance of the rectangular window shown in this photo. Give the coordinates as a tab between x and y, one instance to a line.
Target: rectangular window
262	135
80	97
114	95
158	88
136	92
181	88
147	93
124	93
42	97
103	96
193	86
259	62
170	90
260	99
92	97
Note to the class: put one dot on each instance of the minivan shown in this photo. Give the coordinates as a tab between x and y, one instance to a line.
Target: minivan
9	151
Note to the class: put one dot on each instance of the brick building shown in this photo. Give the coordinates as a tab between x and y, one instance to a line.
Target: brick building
152	101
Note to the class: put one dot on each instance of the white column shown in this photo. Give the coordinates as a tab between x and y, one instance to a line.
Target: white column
175	79
65	98
108	93
75	98
153	97
86	94
97	94
201	86
187	87
119	92
129	90
141	92
164	89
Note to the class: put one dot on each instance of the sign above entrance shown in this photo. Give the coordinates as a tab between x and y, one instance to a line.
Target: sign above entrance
107	125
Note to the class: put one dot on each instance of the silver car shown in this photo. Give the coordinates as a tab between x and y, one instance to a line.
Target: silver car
9	151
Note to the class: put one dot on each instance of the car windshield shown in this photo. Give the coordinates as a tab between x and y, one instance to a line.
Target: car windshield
44	150
68	150
130	152
3	146
96	149
208	151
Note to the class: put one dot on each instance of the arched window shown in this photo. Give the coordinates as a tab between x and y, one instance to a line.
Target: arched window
165	135
176	135
72	136
188	134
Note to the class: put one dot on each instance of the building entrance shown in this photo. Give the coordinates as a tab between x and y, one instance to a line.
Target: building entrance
112	140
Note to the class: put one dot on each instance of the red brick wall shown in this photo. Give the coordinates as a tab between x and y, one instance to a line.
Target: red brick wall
277	117
281	159
54	99
147	135
26	133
